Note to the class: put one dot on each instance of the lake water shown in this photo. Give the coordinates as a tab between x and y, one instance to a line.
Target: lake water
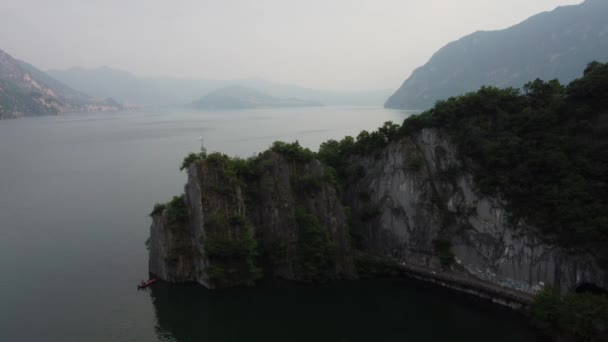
75	192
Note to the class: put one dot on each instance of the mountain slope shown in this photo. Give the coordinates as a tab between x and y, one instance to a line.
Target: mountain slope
549	45
239	97
118	84
27	91
328	97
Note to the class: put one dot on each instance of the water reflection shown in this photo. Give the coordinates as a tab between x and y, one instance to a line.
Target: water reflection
379	310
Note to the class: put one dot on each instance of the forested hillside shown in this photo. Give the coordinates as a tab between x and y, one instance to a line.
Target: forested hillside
544	150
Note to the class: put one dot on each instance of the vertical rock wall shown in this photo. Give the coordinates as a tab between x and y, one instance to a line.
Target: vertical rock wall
268	205
417	202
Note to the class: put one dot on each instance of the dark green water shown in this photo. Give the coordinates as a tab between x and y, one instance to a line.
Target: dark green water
365	310
75	193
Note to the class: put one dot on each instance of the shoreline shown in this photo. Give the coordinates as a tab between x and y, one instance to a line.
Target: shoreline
463	283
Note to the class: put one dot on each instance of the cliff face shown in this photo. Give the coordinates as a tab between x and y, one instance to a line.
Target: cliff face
299	209
417	204
413	202
281	218
176	254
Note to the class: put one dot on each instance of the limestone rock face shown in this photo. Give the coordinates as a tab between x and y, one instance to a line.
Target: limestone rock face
176	255
222	211
419	192
280	192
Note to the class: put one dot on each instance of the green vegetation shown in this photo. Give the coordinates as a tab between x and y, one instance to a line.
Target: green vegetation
583	316
369	266
277	253
293	151
545	151
336	154
158	209
416	162
177	223
222	246
177	211
315	250
192	158
443	248
230	171
232	258
230	244
307	182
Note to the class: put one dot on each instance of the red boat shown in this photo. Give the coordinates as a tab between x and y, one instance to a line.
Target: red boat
145	284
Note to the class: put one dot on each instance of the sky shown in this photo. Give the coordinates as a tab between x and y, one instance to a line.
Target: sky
325	44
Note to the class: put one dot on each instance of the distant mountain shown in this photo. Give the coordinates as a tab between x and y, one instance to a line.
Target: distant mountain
550	45
27	91
328	97
108	82
239	97
158	91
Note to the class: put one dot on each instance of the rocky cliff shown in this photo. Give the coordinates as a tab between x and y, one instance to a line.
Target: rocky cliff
416	203
275	215
413	203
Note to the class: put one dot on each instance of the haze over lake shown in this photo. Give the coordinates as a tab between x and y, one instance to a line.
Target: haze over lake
76	193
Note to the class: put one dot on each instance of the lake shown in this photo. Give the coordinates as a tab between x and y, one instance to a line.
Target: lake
75	193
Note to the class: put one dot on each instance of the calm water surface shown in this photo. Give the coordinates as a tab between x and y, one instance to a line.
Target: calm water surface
75	192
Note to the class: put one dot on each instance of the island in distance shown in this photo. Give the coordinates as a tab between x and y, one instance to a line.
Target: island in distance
240	97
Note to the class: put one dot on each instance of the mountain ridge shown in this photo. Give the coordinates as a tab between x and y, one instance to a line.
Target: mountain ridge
241	97
549	45
27	91
170	91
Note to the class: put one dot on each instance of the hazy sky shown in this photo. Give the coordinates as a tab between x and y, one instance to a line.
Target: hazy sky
331	44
